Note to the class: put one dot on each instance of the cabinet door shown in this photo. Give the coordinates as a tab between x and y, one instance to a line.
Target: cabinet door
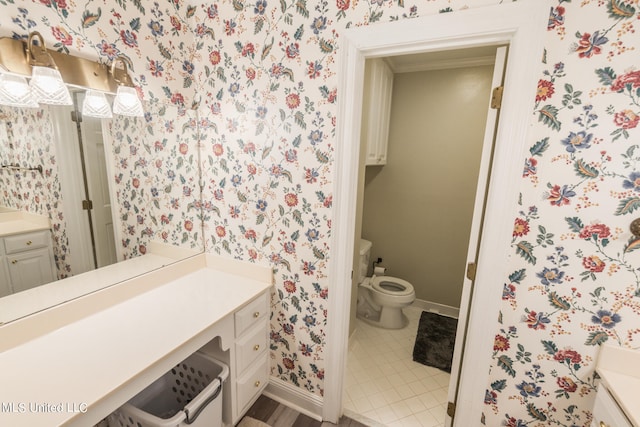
29	269
377	110
5	284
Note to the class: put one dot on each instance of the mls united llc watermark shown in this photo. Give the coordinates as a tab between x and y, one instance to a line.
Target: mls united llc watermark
42	407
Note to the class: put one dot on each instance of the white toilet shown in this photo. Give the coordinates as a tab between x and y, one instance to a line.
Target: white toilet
382	298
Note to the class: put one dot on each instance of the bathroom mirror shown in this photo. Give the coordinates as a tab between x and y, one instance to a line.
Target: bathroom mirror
5	147
112	189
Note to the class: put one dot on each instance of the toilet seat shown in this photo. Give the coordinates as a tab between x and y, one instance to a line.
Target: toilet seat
392	286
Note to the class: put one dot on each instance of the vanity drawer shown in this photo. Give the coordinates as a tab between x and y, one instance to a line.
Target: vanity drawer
606	412
252	345
252	384
251	314
27	241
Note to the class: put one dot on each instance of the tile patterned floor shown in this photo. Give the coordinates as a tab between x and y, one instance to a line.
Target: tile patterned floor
385	387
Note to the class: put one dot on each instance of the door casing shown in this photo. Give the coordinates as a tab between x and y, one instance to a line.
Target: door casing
522	26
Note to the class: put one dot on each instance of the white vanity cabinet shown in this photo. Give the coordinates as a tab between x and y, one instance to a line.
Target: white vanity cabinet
91	355
29	260
5	286
26	251
251	357
377	110
606	412
616	403
248	358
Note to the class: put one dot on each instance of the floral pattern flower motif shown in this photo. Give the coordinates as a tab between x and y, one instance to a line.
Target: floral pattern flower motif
590	44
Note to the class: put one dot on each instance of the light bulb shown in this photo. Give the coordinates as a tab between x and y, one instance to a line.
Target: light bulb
127	102
15	92
48	87
96	105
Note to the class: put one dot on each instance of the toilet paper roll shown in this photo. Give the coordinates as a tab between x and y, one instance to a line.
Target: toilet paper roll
379	271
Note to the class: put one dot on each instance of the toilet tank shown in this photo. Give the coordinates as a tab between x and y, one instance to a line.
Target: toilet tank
365	254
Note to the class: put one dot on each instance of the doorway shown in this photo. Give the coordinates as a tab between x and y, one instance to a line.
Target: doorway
418	210
523	32
93	153
84	178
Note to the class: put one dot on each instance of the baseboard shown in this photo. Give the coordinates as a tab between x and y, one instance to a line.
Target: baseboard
434	307
295	398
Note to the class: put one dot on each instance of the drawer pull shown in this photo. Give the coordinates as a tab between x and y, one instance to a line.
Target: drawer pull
257	384
15	261
29	243
256	314
256	347
603	424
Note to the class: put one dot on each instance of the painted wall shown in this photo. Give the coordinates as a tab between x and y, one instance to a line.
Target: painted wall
418	207
263	76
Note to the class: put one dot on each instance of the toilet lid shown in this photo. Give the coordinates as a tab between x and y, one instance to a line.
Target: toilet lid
392	286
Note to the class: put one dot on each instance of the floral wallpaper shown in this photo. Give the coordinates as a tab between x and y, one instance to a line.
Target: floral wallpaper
262	77
573	282
157	178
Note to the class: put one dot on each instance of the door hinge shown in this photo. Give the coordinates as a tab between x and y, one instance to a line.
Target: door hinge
87	205
471	271
76	116
496	97
451	409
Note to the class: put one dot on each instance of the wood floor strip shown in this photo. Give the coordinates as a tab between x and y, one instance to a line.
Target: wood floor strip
306	421
263	408
277	415
283	416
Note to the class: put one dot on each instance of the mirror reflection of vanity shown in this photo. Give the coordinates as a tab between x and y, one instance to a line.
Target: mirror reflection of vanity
95	192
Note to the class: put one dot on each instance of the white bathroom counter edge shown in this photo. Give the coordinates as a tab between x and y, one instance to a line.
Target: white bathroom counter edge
619	370
102	354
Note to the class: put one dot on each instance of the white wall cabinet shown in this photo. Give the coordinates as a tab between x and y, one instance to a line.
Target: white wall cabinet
27	260
377	110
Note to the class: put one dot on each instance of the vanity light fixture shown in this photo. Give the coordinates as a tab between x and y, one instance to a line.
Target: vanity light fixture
126	101
15	91
46	83
51	71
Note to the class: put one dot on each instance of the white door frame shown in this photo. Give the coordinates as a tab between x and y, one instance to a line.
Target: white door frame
522	26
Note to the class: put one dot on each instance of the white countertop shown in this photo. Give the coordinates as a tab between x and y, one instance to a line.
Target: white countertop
619	369
16	222
84	359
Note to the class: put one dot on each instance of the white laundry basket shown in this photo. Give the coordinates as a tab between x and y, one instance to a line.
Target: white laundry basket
190	394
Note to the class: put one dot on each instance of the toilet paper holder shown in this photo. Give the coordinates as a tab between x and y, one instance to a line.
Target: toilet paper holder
377	269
